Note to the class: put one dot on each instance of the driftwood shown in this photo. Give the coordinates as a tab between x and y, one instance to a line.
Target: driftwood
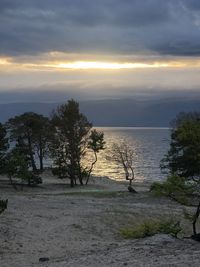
3	205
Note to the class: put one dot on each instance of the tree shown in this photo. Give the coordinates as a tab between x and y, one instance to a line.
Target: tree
16	166
3	145
96	143
43	136
123	155
31	133
3	149
183	158
72	139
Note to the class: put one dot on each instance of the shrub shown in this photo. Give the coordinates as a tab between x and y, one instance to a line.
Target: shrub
152	227
175	187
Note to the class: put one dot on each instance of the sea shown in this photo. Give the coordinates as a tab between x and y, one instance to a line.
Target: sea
149	145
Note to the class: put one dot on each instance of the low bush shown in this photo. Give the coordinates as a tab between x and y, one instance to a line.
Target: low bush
175	187
152	227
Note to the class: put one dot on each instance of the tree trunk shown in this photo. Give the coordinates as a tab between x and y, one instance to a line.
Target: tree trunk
41	163
195	219
80	180
71	182
91	168
80	176
31	155
41	156
41	159
32	161
11	182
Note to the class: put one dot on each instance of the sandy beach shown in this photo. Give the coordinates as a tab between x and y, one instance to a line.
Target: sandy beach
56	226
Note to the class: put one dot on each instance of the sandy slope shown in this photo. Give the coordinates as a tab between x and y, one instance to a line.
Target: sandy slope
80	227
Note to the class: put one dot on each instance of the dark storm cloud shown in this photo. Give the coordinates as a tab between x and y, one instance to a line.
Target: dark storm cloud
192	4
101	26
179	48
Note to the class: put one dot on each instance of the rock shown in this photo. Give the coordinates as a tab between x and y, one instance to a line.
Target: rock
131	189
43	259
196	237
158	239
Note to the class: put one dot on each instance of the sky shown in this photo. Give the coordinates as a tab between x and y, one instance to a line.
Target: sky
94	49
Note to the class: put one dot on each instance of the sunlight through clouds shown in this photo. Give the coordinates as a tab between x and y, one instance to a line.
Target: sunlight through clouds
16	64
107	65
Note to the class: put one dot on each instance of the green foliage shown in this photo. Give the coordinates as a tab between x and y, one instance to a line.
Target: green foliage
3	146
152	227
175	187
183	157
32	133
65	138
95	144
188	215
72	139
59	170
96	141
72	129
16	166
173	184
3	140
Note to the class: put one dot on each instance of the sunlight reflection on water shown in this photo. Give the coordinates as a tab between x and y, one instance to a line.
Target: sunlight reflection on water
149	144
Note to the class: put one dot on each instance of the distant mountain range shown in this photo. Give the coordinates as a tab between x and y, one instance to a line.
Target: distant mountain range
120	112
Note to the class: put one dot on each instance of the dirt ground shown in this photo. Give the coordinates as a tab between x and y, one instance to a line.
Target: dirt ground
80	227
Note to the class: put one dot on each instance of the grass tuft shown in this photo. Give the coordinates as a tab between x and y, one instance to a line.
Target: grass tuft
174	187
152	227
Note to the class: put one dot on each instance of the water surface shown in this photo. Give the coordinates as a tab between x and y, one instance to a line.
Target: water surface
149	145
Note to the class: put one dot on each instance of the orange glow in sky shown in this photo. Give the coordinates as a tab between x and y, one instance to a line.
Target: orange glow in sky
10	64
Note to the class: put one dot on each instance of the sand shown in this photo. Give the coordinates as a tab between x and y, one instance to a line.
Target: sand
80	227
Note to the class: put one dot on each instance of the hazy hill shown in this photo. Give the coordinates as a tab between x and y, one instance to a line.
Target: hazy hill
122	112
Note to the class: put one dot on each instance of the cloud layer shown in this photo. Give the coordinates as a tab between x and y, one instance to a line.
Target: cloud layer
100	27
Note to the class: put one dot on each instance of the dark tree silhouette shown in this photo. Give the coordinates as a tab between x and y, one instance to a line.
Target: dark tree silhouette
3	146
123	155
183	157
96	143
72	139
31	133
